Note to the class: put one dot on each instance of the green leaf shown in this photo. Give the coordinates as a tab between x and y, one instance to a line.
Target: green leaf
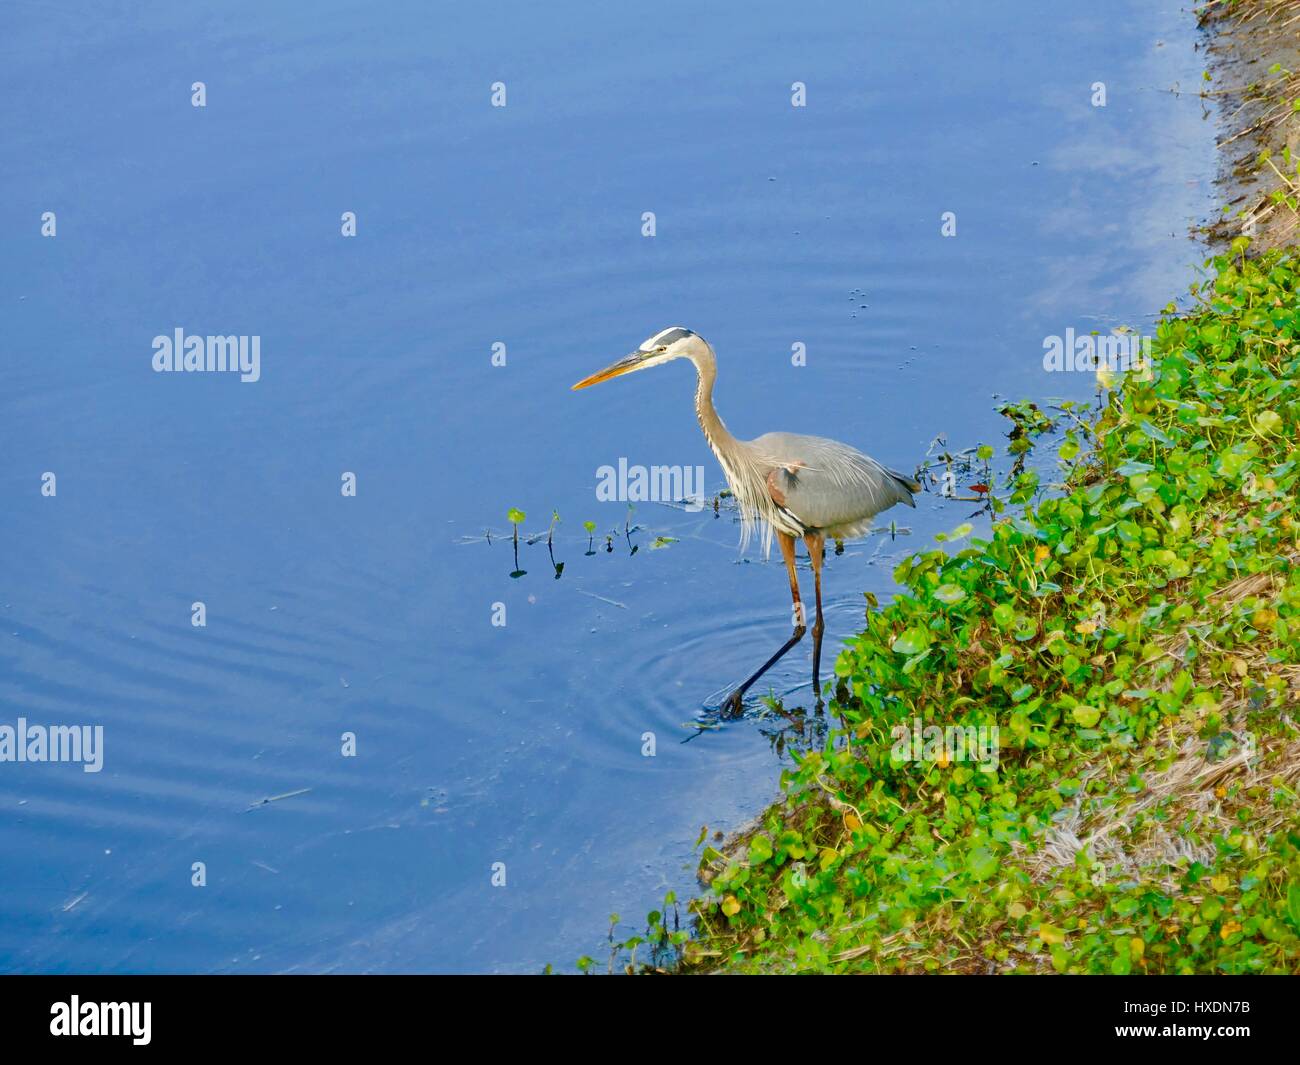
1132	468
1268	421
912	642
950	593
981	863
1085	716
1154	433
959	533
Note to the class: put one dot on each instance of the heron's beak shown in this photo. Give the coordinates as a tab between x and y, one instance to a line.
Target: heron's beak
624	365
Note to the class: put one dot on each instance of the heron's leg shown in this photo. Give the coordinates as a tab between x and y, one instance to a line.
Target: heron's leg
734	700
816	545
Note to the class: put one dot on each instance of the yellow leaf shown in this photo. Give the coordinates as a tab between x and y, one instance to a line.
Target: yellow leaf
730	906
1050	934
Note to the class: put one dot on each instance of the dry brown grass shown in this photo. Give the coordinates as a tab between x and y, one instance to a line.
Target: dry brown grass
1250	37
1181	808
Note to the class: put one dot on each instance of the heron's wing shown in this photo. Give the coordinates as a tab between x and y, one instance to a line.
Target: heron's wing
826	485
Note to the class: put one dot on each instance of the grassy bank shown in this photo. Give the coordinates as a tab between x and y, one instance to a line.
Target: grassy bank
1136	640
1132	629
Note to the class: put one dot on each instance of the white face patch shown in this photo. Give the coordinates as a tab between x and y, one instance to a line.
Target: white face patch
656	360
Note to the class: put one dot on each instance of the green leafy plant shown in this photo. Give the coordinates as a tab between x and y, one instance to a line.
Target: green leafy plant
1133	633
516	517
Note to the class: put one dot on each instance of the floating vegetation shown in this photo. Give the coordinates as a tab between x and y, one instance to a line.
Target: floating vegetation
516	518
967	462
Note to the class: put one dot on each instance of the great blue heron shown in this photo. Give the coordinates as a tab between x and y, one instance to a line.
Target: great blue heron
794	486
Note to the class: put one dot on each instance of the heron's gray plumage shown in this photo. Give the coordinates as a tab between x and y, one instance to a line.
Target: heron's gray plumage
827	485
785	482
668	336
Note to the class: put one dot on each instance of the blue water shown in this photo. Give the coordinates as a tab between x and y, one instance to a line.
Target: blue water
476	225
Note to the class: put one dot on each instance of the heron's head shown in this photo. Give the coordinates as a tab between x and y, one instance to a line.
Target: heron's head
664	346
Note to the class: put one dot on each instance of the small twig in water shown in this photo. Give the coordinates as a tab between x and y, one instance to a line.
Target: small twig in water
276	798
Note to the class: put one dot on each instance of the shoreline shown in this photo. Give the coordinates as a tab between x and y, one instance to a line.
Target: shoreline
1136	638
1255	116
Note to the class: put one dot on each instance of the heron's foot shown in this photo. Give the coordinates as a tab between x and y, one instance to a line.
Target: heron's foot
734	704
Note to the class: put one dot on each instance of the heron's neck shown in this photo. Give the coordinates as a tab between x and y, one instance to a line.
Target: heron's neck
715	432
